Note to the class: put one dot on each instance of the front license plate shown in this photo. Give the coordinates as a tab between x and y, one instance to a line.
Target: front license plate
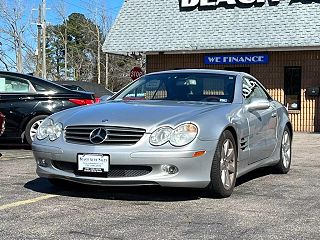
93	163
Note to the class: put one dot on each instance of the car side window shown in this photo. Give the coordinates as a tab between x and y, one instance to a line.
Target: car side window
252	90
14	85
39	88
154	90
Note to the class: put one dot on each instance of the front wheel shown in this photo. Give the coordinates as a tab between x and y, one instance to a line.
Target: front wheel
224	166
284	164
32	127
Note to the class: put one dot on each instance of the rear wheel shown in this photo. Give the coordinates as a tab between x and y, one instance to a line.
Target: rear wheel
224	166
284	164
32	127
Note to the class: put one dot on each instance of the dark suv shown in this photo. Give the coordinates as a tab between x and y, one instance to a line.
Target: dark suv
26	100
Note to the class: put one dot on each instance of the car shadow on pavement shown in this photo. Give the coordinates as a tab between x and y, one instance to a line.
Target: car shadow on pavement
258	173
145	193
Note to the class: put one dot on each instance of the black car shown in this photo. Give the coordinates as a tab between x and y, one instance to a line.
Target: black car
26	100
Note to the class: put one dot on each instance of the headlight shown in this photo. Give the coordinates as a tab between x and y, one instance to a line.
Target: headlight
160	136
42	131
55	131
183	134
180	136
49	129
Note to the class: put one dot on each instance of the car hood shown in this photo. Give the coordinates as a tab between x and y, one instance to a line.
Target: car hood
144	114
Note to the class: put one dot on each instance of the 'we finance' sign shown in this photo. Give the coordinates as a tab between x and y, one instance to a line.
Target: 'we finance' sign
237	59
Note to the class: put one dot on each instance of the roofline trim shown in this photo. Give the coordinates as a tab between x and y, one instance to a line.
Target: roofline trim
242	50
226	50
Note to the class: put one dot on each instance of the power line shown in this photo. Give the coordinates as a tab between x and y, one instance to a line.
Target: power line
87	9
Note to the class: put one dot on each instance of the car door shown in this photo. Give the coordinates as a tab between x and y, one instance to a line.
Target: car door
17	99
262	123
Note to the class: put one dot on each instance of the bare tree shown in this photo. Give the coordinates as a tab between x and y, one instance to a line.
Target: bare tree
102	20
13	29
62	14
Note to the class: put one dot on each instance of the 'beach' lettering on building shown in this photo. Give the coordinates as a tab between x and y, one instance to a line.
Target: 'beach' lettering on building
214	3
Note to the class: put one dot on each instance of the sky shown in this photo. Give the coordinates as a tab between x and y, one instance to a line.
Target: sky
81	6
30	14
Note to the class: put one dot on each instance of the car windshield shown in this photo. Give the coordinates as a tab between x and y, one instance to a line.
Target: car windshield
202	87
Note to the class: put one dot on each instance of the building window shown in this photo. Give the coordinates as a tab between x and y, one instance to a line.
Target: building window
292	87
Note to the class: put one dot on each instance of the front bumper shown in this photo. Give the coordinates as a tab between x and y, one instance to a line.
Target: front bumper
192	172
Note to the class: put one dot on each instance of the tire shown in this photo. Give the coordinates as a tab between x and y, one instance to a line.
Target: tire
32	126
283	166
224	167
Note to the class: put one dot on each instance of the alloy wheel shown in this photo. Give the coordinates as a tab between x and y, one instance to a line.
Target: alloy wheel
286	149
228	164
34	128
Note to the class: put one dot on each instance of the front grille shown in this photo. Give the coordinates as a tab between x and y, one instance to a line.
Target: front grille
116	135
115	171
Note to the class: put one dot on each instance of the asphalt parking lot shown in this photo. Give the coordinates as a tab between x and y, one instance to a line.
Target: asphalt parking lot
264	205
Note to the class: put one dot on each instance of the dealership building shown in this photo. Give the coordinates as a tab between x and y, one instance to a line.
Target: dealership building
277	41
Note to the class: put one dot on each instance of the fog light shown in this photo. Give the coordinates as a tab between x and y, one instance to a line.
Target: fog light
170	169
42	163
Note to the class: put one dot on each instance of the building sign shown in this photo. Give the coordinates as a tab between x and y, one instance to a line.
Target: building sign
216	3
237	59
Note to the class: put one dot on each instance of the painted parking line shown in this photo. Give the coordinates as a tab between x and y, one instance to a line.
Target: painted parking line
28	201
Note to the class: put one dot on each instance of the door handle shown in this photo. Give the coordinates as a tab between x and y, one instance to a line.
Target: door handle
274	114
26	98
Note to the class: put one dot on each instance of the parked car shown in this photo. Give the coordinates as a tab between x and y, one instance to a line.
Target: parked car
98	89
26	100
2	123
102	94
186	128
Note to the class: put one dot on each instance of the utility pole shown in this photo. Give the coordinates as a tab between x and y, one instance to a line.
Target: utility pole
44	39
98	48
65	53
107	71
39	26
99	55
18	52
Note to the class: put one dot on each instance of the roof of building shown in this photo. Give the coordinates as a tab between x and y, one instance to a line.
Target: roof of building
161	26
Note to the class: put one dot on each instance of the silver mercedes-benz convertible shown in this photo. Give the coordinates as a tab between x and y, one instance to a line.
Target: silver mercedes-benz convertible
183	128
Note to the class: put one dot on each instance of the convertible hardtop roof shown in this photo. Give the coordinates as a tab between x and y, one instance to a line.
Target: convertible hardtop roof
210	71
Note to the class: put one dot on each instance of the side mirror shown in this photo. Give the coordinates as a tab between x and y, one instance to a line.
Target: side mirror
258	104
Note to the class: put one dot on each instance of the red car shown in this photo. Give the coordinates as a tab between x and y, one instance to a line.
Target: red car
2	123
